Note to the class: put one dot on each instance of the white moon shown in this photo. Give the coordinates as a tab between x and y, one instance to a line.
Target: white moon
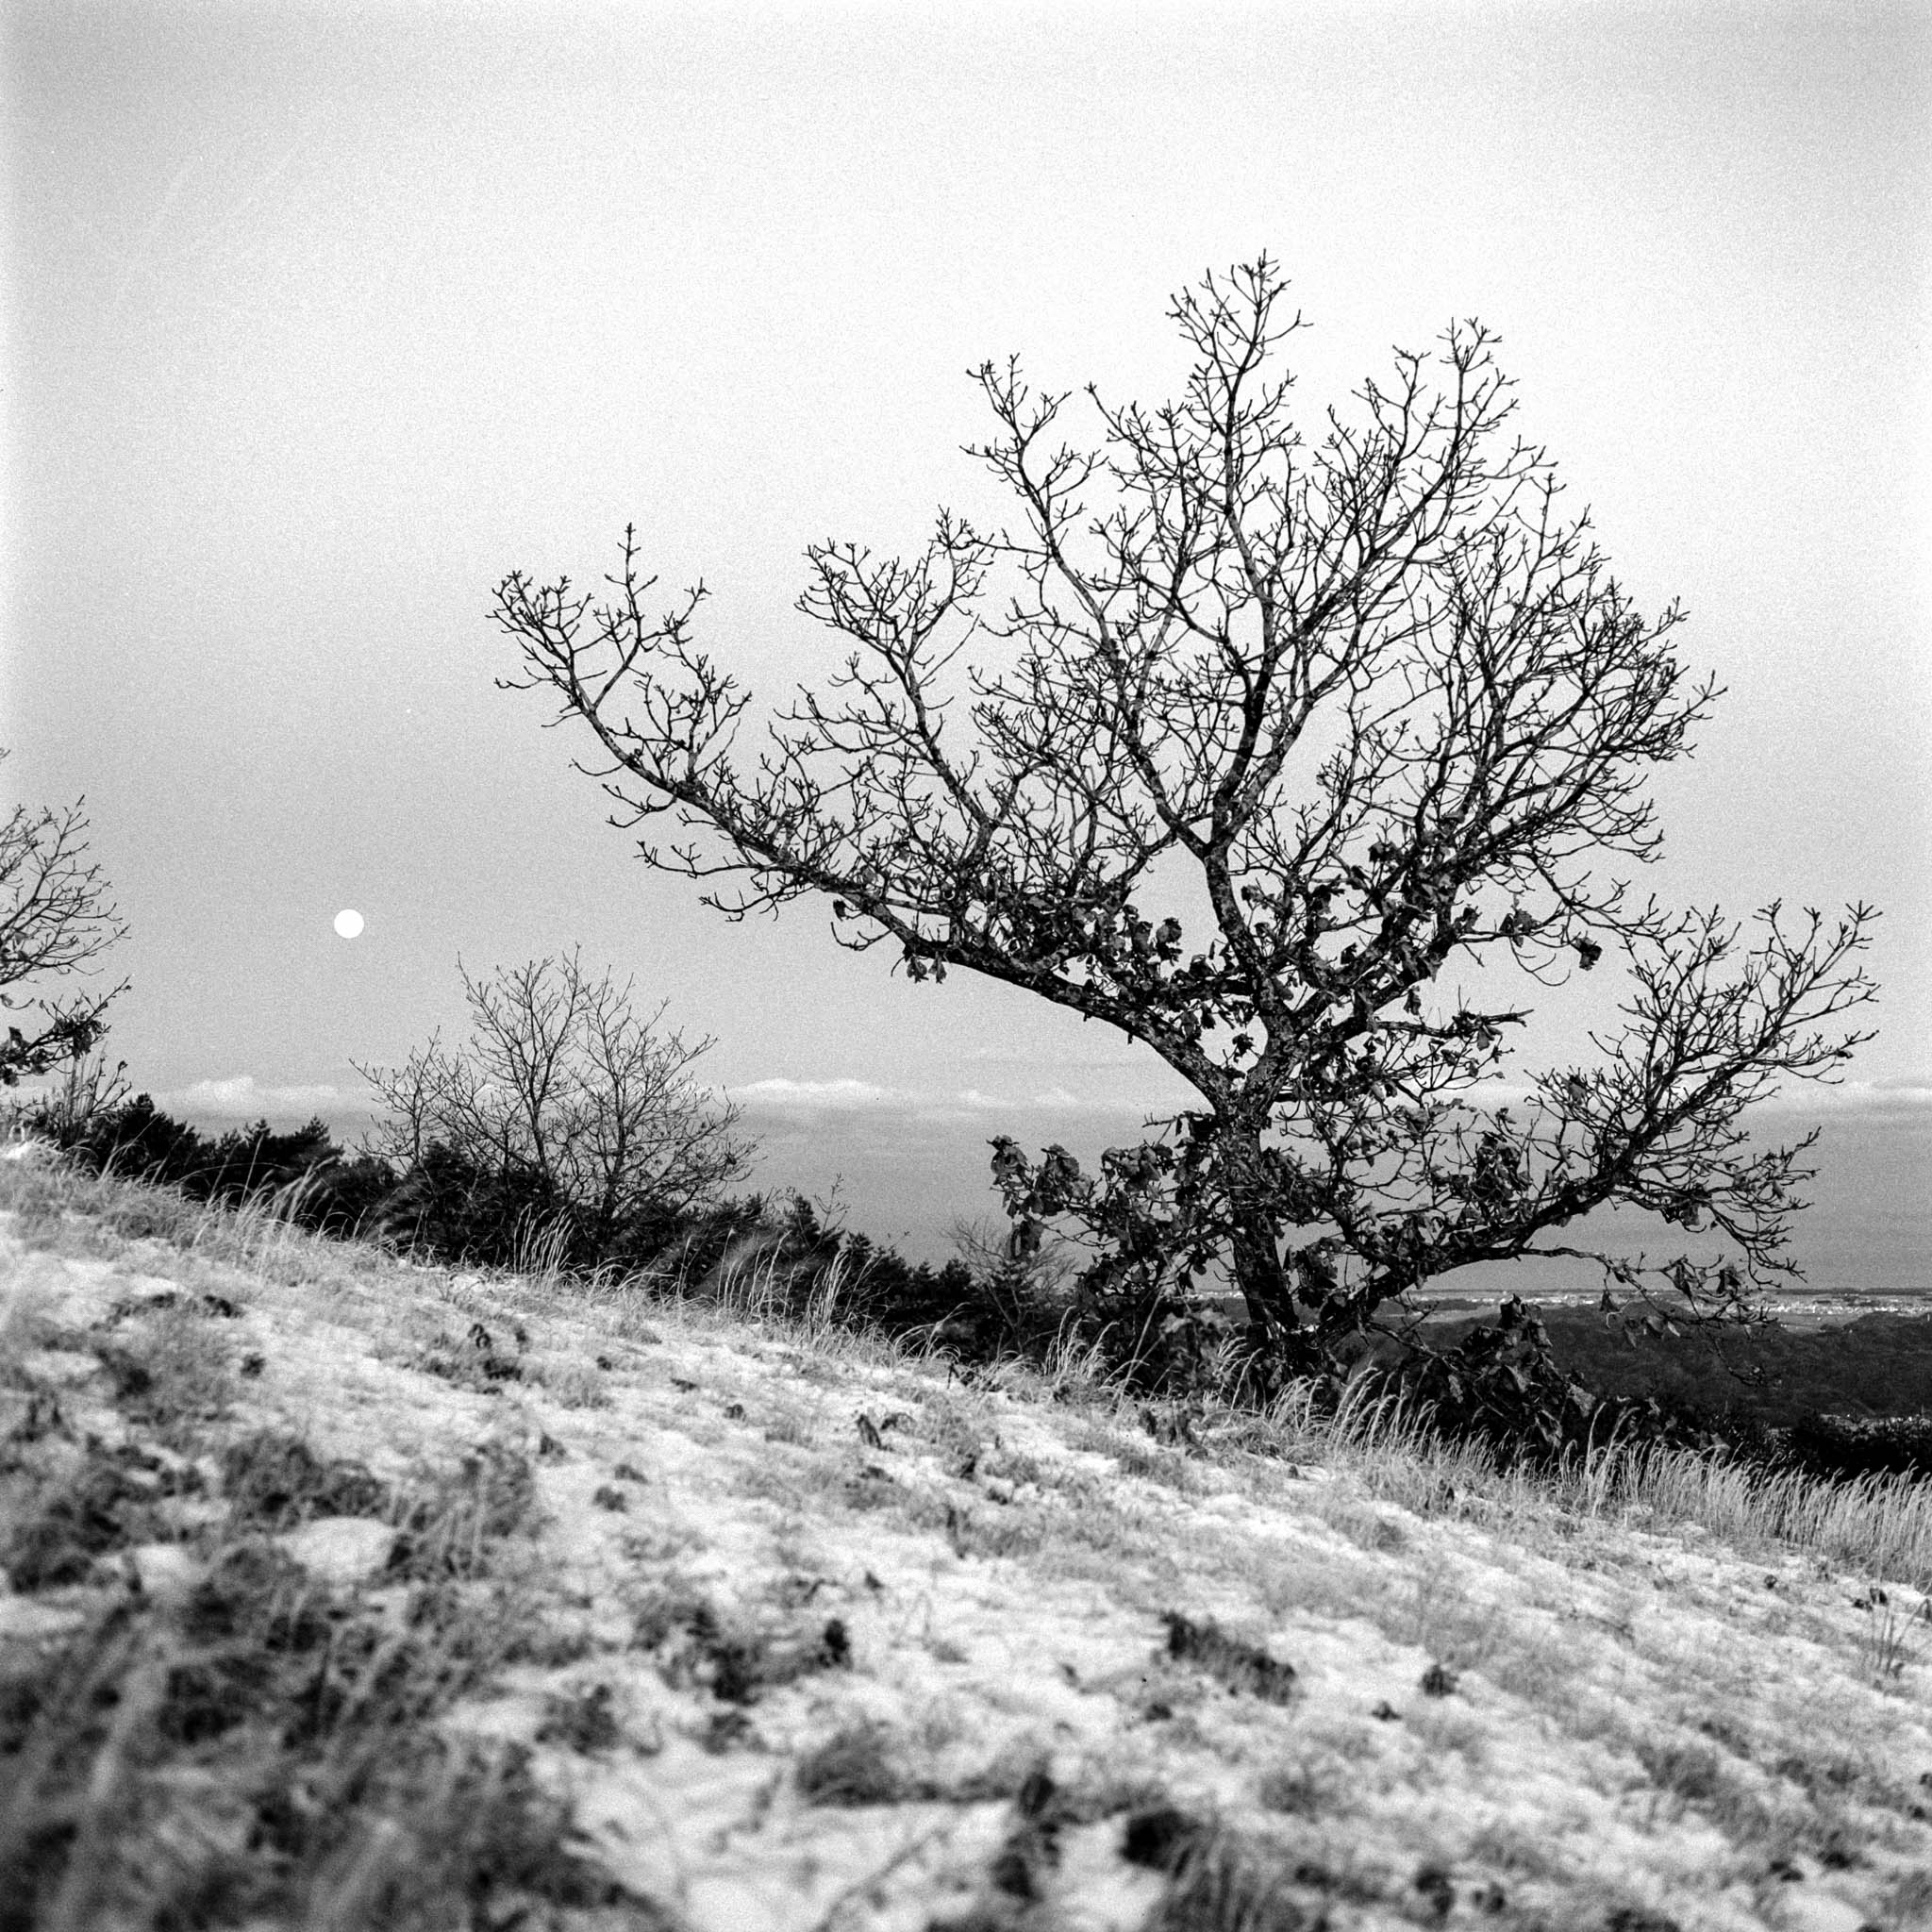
348	922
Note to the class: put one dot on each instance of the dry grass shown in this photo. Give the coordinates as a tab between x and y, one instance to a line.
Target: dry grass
255	1745
1878	1527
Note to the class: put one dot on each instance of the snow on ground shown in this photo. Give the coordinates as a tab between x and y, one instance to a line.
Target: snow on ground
862	1644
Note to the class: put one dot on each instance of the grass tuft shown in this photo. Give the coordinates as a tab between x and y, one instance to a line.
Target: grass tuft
1241	1666
853	1767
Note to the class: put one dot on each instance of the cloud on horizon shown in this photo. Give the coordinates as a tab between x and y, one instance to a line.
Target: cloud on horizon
243	1097
1898	1095
1076	1055
783	1093
851	1095
1905	1092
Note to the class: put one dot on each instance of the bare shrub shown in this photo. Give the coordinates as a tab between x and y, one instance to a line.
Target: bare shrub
563	1105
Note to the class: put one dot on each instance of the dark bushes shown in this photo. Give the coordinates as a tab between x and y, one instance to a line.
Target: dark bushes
136	1140
1877	1365
448	1208
1845	1401
1504	1385
1849	1445
797	1263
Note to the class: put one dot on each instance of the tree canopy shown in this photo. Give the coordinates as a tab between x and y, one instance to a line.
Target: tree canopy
55	919
1265	730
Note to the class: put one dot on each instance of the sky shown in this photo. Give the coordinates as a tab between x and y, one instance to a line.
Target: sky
320	319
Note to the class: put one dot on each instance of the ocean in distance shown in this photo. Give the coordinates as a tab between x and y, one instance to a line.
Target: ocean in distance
906	1175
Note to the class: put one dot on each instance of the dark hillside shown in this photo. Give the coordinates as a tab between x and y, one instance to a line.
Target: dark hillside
1878	1365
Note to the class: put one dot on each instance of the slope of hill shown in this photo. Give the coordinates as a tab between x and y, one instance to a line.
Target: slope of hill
346	1592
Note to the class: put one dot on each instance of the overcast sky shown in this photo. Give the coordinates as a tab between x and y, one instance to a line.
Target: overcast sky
321	319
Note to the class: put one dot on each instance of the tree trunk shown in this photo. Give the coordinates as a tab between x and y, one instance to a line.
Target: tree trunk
1264	1283
1259	1275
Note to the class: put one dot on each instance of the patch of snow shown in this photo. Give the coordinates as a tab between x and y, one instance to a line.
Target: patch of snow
1802	1909
340	1550
64	1368
165	1572
29	1620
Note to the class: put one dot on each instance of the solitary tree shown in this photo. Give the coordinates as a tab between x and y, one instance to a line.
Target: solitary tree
562	1083
1271	733
54	919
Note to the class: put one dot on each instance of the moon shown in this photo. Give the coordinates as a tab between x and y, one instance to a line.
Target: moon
348	922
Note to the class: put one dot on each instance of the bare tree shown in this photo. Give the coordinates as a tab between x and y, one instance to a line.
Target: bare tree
1357	707
560	1080
54	919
